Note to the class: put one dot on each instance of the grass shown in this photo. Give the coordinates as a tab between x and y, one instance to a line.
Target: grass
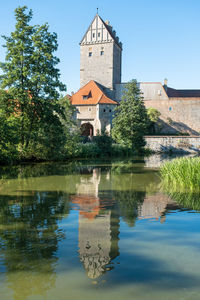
185	199
183	172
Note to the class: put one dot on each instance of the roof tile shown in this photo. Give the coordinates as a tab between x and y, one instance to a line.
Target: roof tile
95	95
173	93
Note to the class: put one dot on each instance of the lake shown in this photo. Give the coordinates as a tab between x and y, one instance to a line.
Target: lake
96	230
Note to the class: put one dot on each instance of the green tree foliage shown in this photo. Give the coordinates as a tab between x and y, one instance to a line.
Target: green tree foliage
104	143
153	115
71	130
31	76
9	125
29	239
131	121
129	202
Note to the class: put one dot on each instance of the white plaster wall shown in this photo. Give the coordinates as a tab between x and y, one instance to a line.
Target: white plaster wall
85	112
99	116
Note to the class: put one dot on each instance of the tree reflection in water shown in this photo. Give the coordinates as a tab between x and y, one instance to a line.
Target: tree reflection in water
31	208
29	237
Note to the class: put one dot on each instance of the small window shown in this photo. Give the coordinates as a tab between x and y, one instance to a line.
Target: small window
104	110
102	52
89	109
93	35
110	110
90	54
85	97
99	34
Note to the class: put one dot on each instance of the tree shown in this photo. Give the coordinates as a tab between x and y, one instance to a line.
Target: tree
153	115
31	76
9	126
104	143
131	121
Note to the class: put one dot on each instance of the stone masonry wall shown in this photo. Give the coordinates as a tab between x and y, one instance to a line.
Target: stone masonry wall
97	67
182	144
178	115
117	64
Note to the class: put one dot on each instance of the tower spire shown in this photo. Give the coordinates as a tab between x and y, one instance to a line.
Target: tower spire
97	10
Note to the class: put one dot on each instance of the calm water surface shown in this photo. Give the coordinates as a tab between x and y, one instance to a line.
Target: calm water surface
102	230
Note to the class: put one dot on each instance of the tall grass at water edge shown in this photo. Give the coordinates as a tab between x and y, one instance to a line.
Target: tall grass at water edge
183	172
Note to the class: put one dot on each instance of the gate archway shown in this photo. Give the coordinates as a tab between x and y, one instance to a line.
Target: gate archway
87	129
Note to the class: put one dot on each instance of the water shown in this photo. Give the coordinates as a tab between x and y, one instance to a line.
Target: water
102	230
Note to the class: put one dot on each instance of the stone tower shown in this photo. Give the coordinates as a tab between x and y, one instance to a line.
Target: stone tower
101	54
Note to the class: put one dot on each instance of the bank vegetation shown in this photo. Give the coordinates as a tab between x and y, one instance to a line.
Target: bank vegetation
182	173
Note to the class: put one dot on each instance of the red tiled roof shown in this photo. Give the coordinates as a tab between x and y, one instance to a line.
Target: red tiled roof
89	206
94	94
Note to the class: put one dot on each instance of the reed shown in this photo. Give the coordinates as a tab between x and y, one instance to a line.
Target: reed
183	172
190	199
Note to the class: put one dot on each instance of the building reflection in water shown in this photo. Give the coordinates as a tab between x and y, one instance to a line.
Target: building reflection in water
99	212
98	227
154	207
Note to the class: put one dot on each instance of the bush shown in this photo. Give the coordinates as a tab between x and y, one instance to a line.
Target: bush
121	150
87	150
104	143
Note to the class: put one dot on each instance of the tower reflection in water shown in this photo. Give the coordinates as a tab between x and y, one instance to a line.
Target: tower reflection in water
98	226
101	205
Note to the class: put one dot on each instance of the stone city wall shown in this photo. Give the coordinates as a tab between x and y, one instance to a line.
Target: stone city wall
182	144
177	115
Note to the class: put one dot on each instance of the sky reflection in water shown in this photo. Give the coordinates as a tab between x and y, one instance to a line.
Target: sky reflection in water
96	229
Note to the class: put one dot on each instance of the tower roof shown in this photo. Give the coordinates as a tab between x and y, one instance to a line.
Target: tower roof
91	94
100	31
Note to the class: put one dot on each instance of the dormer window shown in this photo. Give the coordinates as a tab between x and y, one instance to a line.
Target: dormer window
87	95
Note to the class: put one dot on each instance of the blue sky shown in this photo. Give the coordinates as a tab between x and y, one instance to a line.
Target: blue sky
161	39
